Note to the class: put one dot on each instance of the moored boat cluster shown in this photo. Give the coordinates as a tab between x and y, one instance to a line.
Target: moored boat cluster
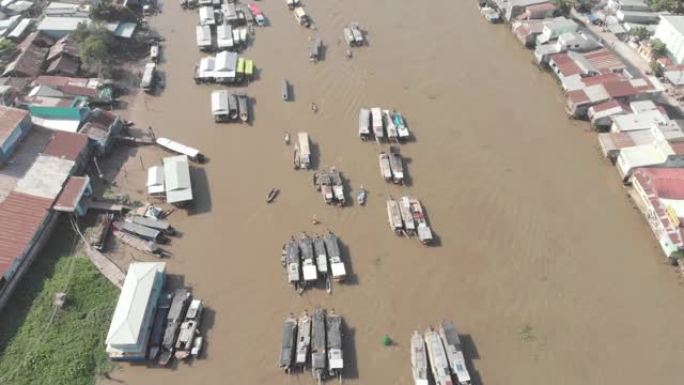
443	352
310	260
315	341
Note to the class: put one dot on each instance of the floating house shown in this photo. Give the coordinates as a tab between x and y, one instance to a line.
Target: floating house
177	180
132	320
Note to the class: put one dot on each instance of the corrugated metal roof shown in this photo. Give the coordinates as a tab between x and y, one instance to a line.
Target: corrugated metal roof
66	145
71	193
136	294
9	120
21	215
46	177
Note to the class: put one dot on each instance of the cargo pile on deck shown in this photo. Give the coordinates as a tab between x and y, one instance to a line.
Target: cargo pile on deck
446	358
329	183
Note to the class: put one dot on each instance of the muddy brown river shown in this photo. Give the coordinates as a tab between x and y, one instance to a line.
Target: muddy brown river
542	261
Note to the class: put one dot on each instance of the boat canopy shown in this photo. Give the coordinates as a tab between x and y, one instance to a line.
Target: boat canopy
364	121
254	9
203	35
148	75
303	139
224	36
179	148
206	15
219	102
177	176
249	67
241	66
155	180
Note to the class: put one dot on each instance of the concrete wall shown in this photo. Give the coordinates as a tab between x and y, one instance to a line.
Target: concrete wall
673	39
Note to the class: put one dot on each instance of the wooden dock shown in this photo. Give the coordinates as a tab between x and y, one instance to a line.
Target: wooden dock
110	270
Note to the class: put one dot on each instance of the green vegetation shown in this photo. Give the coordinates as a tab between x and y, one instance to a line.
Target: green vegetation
640	33
526	333
656	68
564	6
674	6
658	49
43	344
108	11
96	45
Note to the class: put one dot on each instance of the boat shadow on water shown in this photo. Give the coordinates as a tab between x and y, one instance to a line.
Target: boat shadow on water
351	279
201	203
471	353
351	370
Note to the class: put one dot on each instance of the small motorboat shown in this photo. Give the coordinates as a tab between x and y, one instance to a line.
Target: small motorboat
272	195
287	138
361	196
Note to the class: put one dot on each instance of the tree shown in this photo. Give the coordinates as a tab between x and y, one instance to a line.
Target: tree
674	6
640	33
658	49
107	11
656	68
564	6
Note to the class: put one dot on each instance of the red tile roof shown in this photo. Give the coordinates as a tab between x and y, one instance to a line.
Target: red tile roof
21	215
66	145
9	120
71	193
602	79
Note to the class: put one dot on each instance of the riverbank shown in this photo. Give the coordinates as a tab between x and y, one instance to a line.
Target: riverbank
543	263
43	344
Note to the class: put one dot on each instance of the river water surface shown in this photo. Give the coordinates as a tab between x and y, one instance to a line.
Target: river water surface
542	262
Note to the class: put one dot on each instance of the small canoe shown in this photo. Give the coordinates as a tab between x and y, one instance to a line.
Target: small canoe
272	195
286	91
361	196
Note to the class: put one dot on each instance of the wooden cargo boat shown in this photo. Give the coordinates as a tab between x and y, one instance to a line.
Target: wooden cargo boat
303	340
394	216
287	344
385	168
335	356
454	352
419	360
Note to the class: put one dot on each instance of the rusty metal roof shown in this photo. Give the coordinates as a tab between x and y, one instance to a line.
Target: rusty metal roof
9	120
71	193
66	145
21	215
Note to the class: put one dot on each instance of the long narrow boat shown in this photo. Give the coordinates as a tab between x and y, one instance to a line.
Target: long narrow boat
364	124
338	187
303	340
323	181
232	106
139	244
406	216
292	264
287	344
158	326
335	357
179	304
392	134
321	256
394	216
243	105
402	129
424	231
285	90
397	166
337	268
179	148
318	346
438	358
189	329
454	352
419	361
309	270
385	168
376	120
